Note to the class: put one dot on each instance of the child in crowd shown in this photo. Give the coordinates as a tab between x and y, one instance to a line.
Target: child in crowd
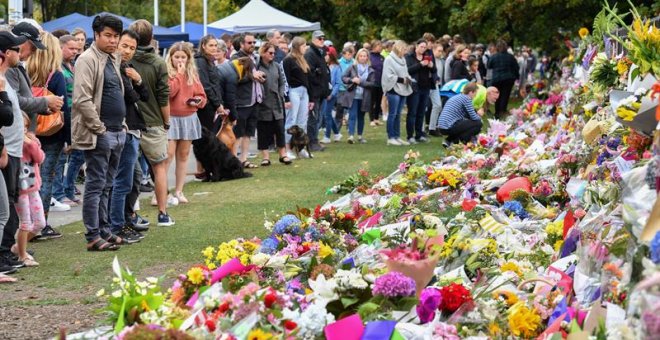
29	207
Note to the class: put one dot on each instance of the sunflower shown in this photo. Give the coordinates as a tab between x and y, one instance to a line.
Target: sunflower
258	334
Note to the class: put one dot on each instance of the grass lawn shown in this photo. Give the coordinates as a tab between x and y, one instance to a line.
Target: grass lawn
217	212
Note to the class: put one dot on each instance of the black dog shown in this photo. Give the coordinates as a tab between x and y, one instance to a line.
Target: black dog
299	140
217	159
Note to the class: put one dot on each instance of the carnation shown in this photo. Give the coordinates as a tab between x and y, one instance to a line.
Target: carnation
394	284
454	296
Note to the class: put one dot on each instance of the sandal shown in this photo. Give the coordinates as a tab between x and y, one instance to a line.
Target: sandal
115	239
285	160
265	162
29	262
248	165
101	245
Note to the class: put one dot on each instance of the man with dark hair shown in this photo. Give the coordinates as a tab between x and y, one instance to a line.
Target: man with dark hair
458	120
274	37
319	75
377	61
98	127
156	113
126	186
13	143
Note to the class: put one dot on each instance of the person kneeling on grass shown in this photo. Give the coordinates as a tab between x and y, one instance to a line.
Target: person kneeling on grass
458	119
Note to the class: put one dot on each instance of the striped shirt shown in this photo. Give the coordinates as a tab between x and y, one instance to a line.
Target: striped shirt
458	107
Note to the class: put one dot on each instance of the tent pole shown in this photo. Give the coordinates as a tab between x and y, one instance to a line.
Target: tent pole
205	14
183	15
155	12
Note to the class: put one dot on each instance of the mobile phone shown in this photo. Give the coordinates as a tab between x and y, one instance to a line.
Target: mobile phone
193	101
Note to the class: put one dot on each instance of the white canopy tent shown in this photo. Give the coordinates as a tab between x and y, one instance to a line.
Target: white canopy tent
259	17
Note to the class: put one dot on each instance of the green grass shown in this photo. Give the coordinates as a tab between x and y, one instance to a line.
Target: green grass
229	210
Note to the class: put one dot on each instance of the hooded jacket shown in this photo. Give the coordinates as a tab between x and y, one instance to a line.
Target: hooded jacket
395	71
153	71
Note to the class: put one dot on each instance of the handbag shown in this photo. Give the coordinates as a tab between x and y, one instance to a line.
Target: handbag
47	125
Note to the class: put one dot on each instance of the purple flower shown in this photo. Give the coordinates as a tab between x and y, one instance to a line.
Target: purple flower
655	248
394	284
429	301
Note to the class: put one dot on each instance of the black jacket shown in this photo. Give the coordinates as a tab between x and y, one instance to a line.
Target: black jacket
6	115
504	66
424	76
459	70
210	79
132	95
319	73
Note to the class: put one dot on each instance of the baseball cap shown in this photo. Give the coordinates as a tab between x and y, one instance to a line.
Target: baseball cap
8	40
30	32
327	43
318	34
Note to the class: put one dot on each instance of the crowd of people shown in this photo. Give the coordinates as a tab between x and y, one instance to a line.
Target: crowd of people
126	113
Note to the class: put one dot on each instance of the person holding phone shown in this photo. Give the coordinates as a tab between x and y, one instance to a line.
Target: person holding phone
186	97
422	70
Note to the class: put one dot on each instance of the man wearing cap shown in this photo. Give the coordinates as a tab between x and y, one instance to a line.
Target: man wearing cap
13	136
19	80
319	86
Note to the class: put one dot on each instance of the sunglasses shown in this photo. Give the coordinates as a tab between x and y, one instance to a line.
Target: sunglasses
321	38
271	53
250	42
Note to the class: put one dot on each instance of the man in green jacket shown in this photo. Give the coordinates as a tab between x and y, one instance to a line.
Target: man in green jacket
156	113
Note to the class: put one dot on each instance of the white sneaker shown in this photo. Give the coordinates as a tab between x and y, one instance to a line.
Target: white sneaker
304	154
58	206
325	140
424	139
291	155
412	141
172	201
338	137
393	141
362	140
403	142
350	140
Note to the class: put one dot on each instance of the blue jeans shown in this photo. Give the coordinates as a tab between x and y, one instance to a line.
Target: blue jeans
76	160
330	124
356	115
395	105
144	166
417	103
299	111
123	182
47	169
102	163
58	181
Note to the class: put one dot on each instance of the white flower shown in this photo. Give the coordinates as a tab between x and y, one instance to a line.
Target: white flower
313	320
350	279
100	292
278	261
152	280
640	92
268	225
259	259
324	290
116	294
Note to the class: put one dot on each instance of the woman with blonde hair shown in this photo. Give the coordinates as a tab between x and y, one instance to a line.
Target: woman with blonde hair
186	97
359	80
44	67
297	102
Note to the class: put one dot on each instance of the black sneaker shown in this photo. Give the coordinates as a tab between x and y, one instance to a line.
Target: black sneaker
135	232
127	236
164	220
48	233
4	269
10	260
146	187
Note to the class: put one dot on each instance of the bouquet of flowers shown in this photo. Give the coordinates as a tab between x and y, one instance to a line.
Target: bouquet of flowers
629	106
444	176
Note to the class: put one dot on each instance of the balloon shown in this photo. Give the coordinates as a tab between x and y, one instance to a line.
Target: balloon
512	185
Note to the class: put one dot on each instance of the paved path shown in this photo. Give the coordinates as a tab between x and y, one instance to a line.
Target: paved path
57	219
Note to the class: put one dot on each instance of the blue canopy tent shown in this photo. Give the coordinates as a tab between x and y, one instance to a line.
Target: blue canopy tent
71	20
165	36
196	31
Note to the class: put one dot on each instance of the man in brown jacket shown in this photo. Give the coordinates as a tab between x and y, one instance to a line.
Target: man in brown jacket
98	127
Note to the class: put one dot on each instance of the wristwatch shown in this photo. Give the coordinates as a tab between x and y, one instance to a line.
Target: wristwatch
166	126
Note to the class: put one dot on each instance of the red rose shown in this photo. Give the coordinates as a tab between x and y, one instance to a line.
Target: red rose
290	325
453	297
210	325
270	299
223	307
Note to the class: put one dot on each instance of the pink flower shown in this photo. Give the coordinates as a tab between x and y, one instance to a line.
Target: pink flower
429	301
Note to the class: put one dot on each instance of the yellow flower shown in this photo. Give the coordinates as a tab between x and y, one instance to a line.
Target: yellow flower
510	266
325	250
625	114
523	322
509	297
558	245
195	275
258	334
555	228
249	246
583	32
145	306
208	252
494	330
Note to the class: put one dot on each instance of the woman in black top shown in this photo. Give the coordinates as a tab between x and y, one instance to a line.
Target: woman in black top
459	68
210	79
422	69
298	105
505	71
